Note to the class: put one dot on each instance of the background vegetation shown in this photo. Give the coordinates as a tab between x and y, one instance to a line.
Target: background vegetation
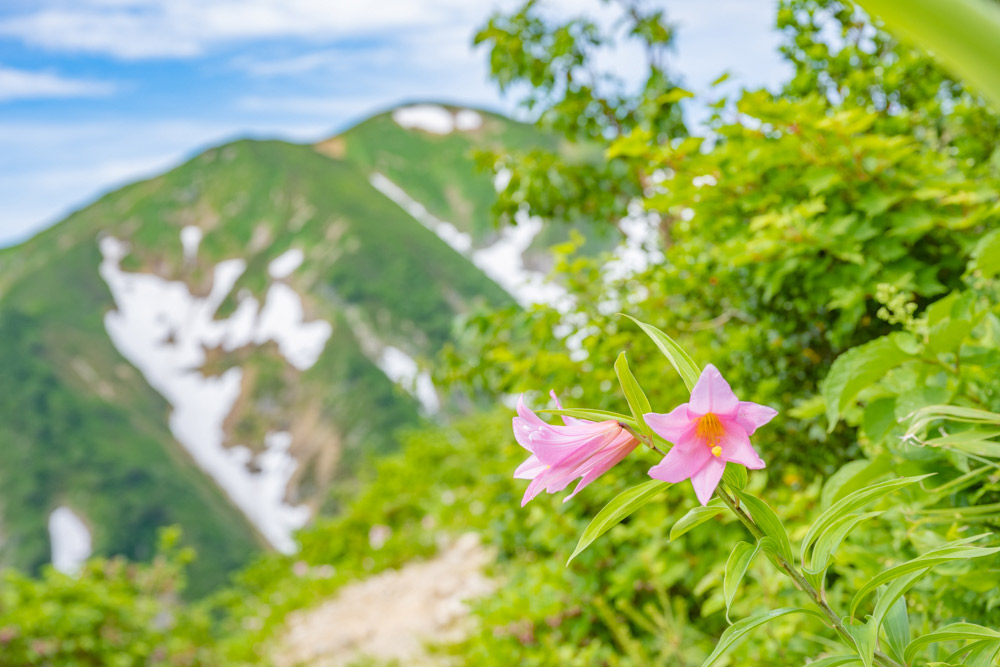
833	246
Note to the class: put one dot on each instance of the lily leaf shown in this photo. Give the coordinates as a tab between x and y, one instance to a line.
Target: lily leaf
623	505
675	354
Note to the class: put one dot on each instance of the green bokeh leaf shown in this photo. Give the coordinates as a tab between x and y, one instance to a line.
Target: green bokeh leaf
675	354
736	568
623	505
637	400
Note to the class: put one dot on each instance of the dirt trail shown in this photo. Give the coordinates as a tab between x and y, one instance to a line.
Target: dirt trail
392	614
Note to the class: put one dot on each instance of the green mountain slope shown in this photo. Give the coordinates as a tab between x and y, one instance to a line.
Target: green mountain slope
307	291
439	171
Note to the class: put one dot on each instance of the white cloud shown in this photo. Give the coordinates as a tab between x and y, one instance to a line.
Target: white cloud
337	106
338	61
17	84
325	60
136	29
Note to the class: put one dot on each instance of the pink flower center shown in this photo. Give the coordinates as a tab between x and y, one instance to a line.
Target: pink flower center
710	431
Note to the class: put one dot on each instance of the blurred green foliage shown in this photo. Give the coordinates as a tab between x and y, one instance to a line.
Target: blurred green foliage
114	614
832	246
774	231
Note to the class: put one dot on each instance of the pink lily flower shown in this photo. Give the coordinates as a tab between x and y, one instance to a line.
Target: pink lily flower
712	429
561	453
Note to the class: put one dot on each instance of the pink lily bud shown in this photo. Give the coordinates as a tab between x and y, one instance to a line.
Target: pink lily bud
562	452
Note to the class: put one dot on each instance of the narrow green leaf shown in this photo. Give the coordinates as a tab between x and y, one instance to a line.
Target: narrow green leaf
853	502
828	543
963	34
955	632
835	661
623	505
963	437
771	549
592	415
921	418
697	516
675	354
980	654
869	633
928	560
737	633
637	400
897	628
767	521
735	475
736	568
968	514
852	477
865	641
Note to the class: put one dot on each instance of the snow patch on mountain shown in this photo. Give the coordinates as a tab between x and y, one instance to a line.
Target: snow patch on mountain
502	260
446	231
403	369
70	540
436	119
283	320
467	120
164	330
190	240
284	264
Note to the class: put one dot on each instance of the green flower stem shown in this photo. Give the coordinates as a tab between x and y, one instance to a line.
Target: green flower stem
818	599
880	658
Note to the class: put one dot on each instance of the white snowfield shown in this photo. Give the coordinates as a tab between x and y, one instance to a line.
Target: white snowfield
403	370
70	541
284	264
436	119
502	260
164	330
190	240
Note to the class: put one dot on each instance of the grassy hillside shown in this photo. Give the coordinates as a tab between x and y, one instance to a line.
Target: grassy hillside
81	426
439	171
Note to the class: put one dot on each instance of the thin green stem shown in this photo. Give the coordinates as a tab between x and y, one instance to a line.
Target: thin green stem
797	576
800	579
645	439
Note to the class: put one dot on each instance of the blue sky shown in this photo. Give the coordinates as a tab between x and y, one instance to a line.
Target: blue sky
97	93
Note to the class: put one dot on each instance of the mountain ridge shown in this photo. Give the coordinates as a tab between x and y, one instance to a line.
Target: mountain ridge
304	239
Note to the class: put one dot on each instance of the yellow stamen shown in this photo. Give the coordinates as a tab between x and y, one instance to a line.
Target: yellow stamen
710	431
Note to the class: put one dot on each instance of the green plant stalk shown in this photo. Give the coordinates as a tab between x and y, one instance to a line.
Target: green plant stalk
880	658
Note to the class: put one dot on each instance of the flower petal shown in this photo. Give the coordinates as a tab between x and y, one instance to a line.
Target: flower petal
525	423
568	446
670	426
605	462
534	488
752	415
530	468
569	421
713	394
736	447
707	479
525	413
681	462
